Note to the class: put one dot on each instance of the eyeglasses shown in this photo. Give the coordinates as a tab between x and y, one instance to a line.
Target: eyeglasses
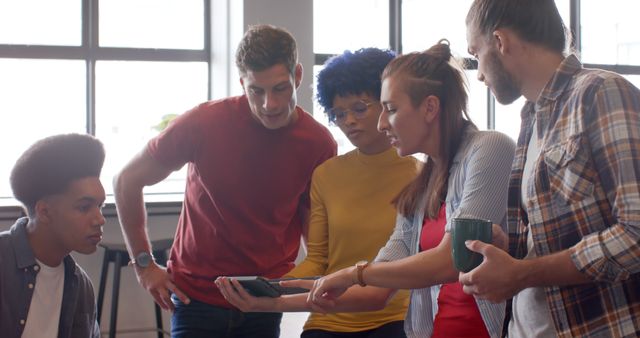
358	109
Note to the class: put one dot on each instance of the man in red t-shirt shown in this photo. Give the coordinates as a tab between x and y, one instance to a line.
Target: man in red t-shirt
246	201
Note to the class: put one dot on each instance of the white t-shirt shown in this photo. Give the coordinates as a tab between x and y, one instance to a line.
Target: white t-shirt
44	312
530	312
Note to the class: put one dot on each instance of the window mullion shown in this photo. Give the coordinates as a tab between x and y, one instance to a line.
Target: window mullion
90	44
574	25
491	110
395	25
207	45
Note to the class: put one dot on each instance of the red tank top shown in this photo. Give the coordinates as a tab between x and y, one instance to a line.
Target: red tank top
458	314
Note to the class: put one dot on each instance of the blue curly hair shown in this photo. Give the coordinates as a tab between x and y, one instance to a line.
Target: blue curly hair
352	73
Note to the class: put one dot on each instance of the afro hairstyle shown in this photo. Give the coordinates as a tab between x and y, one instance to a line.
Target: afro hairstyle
352	73
51	164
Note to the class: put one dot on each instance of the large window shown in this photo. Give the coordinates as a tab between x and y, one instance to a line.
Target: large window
116	69
612	39
605	37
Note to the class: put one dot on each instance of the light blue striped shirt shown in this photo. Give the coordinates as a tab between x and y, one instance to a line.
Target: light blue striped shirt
477	188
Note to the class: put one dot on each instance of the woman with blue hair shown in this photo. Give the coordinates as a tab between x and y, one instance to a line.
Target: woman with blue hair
352	214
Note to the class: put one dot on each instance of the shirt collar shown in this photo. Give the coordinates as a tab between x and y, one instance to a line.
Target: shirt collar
528	109
561	78
21	247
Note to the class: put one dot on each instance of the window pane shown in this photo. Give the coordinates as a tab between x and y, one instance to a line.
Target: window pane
133	98
635	79
357	24
39	98
477	100
419	34
173	24
420	31
610	32
41	22
508	118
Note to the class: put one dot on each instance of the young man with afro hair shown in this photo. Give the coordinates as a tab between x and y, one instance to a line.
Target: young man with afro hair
43	292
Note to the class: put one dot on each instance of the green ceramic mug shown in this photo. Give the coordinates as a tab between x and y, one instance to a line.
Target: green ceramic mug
464	229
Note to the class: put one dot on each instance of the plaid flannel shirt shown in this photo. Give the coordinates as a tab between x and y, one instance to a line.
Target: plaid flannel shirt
584	193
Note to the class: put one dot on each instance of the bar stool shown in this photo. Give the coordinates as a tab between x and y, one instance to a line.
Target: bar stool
119	256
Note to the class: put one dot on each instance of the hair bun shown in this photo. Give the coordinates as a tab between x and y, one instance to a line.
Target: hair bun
440	50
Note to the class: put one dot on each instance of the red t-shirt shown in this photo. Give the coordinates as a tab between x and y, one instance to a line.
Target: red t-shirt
244	186
458	314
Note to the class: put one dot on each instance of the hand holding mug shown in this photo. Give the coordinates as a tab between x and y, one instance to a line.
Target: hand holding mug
467	229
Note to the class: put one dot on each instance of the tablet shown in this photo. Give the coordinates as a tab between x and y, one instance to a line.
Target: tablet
262	287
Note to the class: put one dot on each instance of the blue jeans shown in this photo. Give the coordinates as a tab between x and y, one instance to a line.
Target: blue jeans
201	320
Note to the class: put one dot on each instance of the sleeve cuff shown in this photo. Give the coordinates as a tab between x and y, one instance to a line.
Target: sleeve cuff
590	258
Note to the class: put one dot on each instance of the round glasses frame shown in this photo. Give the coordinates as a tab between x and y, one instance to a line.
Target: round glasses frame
358	109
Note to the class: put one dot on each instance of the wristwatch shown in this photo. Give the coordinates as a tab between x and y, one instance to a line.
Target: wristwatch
360	266
142	260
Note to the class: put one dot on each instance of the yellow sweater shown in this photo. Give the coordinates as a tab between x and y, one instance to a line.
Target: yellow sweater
351	219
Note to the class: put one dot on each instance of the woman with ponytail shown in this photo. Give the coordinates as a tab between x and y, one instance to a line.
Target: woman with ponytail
466	173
